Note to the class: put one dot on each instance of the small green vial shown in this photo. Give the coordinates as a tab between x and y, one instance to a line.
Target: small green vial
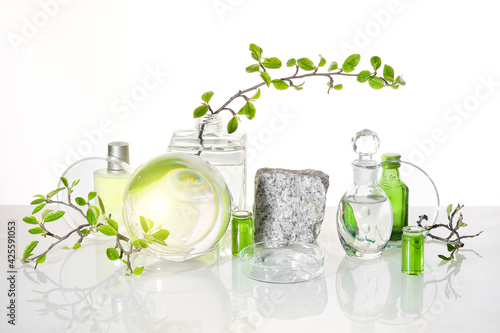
412	251
242	230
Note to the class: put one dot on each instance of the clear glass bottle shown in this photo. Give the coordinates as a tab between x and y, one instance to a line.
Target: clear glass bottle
241	230
364	215
110	183
397	191
226	152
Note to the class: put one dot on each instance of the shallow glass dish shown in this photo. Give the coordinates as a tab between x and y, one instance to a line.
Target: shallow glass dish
282	261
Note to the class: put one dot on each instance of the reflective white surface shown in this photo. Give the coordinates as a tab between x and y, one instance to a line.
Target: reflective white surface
82	291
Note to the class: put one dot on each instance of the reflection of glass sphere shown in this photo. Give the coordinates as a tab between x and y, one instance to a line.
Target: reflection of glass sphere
183	194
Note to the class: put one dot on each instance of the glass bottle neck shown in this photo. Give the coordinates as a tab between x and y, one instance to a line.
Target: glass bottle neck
209	123
390	173
365	172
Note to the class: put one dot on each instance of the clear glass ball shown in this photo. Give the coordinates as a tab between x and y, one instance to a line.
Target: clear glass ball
183	194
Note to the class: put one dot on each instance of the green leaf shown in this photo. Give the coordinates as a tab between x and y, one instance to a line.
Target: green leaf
388	73
298	88
52	193
248	110
112	253
333	66
41	259
80	201
65	248
161	234
101	204
143	244
351	62
363	76
54	216
232	125
113	224
38	208
266	77
84	231
394	86
291	62
443	257
376	83
448	209
29	249
91	195
271	63
256	52
306	64
401	81
462	224
45	213
280	84
64	181
75	183
200	111
137	242
207	96
37	201
253	68
30	220
36	231
91	218
450	247
144	224
337	87
322	61
107	230
77	246
138	270
257	95
376	62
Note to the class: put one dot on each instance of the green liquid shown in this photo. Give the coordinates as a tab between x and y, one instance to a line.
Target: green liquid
241	231
397	191
413	253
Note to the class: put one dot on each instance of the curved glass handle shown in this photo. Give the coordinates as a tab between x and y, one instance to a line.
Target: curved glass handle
430	179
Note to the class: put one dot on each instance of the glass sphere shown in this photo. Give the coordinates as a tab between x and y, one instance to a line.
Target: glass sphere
183	194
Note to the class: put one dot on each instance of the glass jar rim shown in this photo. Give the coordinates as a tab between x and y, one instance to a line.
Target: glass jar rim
241	214
413	230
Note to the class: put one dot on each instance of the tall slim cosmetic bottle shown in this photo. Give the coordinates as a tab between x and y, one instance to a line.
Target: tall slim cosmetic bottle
110	183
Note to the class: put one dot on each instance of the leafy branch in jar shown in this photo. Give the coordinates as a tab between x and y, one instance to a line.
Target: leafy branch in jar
97	222
303	68
454	239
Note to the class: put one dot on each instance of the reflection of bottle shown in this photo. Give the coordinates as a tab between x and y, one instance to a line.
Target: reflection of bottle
226	152
397	191
364	215
110	183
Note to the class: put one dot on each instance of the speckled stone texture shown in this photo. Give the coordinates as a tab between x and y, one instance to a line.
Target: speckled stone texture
289	204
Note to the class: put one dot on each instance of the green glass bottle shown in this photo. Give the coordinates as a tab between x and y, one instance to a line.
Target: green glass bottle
241	230
412	250
397	191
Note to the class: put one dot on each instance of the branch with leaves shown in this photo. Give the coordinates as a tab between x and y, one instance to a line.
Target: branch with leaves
454	239
304	68
97	222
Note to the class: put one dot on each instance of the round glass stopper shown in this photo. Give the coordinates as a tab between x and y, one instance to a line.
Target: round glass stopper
183	194
365	142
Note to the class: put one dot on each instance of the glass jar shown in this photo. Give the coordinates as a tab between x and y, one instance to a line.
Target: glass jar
412	262
226	152
241	230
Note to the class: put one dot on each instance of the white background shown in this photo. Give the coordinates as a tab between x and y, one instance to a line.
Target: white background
66	66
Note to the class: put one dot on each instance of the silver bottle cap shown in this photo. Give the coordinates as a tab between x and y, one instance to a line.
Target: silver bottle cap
117	150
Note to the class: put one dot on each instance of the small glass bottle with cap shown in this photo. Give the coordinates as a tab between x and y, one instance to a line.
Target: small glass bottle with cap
110	183
412	262
397	191
241	230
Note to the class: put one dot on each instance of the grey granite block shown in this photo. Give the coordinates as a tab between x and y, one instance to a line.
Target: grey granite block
289	204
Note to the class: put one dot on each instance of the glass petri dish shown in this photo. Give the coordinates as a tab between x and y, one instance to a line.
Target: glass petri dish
282	261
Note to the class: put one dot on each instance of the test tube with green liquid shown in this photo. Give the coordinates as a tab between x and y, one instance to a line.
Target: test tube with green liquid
242	230
412	251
